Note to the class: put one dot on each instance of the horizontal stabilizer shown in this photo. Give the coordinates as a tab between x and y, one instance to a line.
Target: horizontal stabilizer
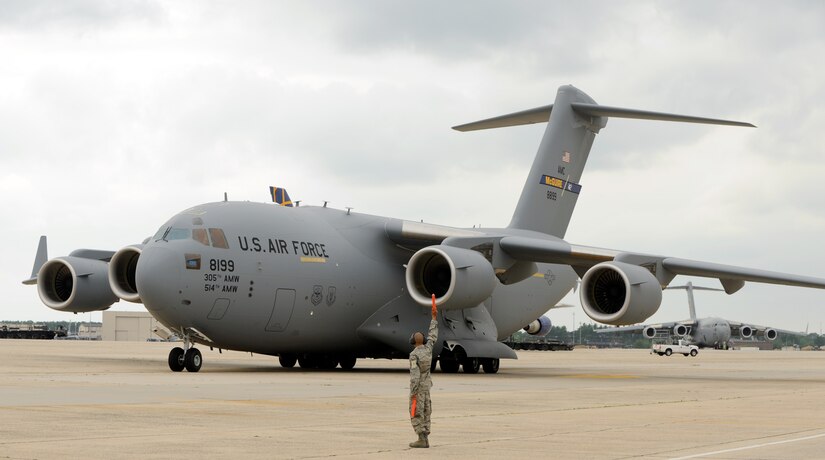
596	110
525	117
542	115
695	288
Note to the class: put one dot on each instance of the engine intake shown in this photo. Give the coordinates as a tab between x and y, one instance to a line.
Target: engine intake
122	270
649	332
459	278
680	330
619	294
75	284
746	332
770	334
539	327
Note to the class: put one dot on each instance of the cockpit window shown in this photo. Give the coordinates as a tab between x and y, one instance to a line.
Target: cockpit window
199	235
159	234
177	234
218	238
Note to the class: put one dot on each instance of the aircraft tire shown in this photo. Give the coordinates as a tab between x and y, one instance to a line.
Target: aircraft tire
347	362
193	360
287	360
470	365
327	362
693	352
449	366
307	362
176	359
433	364
490	365
668	352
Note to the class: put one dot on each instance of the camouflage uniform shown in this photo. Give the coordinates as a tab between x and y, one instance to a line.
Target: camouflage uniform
420	383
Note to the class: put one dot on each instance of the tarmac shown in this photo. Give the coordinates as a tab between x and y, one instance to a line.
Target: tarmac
77	399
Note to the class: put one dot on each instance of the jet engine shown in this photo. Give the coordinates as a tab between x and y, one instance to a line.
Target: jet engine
122	269
770	334
746	332
539	327
617	293
649	332
75	284
680	330
459	278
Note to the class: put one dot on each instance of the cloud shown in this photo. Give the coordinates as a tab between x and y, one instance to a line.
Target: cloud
77	14
116	116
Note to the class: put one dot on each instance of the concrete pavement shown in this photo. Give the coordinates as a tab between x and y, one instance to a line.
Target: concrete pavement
119	400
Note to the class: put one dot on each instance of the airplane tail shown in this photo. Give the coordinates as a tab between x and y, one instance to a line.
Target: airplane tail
552	188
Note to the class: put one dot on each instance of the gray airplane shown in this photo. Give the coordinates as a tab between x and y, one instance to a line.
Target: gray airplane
702	332
323	287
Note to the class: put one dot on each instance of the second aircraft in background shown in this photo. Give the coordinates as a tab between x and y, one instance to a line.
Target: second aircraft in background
709	332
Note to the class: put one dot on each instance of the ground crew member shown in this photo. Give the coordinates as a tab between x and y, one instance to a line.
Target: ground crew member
420	360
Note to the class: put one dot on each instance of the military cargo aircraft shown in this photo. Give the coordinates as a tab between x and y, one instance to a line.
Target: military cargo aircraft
323	287
703	332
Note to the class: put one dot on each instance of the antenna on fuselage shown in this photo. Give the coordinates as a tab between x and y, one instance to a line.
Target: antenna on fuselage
225	197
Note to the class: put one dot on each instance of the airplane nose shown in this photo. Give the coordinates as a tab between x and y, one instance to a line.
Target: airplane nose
158	277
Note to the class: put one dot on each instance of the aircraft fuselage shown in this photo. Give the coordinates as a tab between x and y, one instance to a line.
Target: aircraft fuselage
267	279
711	332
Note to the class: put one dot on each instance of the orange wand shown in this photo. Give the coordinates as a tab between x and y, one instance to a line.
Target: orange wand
412	408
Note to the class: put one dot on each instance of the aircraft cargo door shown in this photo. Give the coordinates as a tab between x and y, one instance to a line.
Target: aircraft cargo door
282	310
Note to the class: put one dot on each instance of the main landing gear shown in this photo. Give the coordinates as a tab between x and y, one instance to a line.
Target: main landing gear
469	365
188	357
317	361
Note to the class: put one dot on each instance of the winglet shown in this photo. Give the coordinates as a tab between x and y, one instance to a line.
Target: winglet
40	259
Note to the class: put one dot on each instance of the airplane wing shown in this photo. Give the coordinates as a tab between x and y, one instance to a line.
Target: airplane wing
736	329
659	327
42	257
581	258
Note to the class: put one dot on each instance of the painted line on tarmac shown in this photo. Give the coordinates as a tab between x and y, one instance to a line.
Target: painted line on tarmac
756	446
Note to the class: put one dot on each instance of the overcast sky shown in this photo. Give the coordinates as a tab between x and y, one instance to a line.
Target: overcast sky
114	116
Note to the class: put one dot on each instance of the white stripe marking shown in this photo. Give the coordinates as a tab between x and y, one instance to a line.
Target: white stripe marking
750	447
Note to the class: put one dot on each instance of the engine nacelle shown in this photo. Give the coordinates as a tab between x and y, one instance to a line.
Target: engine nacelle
539	327
619	294
770	334
680	330
746	332
649	332
122	269
75	284
459	278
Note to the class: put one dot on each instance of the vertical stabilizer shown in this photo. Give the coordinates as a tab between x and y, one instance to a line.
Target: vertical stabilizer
552	187
691	303
689	287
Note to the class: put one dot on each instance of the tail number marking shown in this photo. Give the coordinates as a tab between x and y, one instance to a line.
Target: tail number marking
221	265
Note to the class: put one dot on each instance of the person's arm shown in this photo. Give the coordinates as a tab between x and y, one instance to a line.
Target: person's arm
432	336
